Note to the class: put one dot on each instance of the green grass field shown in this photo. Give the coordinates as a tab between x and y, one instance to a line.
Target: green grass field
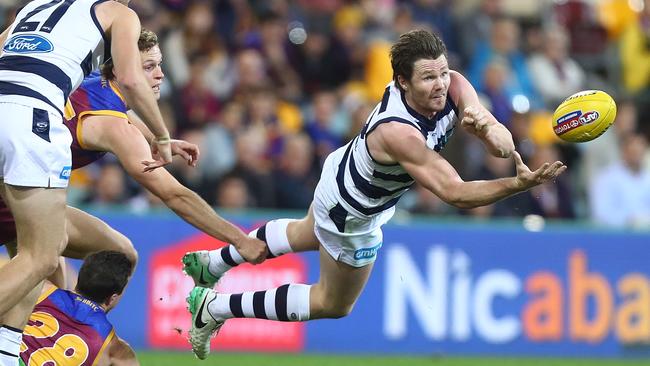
238	359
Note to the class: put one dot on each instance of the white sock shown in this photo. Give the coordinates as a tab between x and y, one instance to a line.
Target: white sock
10	340
286	303
273	233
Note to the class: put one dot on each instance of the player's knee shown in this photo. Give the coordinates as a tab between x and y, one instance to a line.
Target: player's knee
47	265
336	309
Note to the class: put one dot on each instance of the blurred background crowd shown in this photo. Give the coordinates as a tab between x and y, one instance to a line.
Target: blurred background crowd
267	88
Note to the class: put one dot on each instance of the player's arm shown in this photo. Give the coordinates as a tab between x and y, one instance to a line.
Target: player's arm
125	31
3	38
432	171
120	353
477	120
189	152
113	134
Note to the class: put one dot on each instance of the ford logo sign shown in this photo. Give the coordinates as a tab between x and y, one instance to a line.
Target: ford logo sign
28	44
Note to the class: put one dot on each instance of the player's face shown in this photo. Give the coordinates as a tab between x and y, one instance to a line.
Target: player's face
426	92
152	66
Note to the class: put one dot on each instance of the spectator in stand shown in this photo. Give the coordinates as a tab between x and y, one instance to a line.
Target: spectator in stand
551	199
318	61
232	193
109	188
254	167
477	26
495	77
319	129
554	73
199	105
504	43
197	36
218	150
294	176
635	60
620	194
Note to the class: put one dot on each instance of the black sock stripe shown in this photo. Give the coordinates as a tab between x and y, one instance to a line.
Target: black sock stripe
258	305
11	328
8	354
281	302
225	255
235	306
261	233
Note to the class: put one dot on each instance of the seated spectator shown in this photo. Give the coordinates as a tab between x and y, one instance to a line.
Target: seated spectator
552	199
320	128
620	194
554	73
504	44
294	176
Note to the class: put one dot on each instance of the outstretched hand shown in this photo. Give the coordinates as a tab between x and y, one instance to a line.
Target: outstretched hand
188	151
527	179
162	155
253	250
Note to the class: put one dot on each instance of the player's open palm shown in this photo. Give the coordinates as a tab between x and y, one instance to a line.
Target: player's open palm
253	250
527	179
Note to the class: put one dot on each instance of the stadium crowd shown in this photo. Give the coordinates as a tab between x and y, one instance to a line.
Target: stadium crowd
268	88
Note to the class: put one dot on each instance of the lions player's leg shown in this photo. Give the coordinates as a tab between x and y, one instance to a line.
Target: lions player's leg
88	234
281	236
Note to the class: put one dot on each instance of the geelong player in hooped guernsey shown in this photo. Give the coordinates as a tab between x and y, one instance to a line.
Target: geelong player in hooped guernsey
359	186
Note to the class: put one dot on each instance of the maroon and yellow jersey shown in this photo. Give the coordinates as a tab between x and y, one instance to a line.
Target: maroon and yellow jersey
65	328
95	96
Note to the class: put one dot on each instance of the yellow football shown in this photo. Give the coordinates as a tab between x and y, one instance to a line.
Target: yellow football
584	116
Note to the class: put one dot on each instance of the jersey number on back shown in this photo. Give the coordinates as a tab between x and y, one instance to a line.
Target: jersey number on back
69	349
50	22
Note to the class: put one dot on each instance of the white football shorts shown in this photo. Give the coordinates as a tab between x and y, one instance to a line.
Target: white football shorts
348	238
34	147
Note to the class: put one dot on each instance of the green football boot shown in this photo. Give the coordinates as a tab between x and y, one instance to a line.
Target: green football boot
195	265
204	326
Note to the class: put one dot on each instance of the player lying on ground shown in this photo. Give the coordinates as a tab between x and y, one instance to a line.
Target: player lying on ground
100	125
71	328
358	189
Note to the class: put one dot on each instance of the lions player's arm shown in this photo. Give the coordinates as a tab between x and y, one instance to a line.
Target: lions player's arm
116	135
123	25
118	353
477	120
406	145
189	152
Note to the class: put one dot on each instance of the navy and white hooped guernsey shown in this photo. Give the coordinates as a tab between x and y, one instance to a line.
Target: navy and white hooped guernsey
365	187
51	46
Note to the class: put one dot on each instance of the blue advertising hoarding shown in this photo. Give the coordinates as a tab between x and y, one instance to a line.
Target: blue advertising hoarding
450	288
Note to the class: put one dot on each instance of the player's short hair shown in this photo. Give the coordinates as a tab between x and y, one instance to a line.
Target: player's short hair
413	46
103	274
147	41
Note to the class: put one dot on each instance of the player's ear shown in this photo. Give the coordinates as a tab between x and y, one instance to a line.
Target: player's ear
112	301
402	82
